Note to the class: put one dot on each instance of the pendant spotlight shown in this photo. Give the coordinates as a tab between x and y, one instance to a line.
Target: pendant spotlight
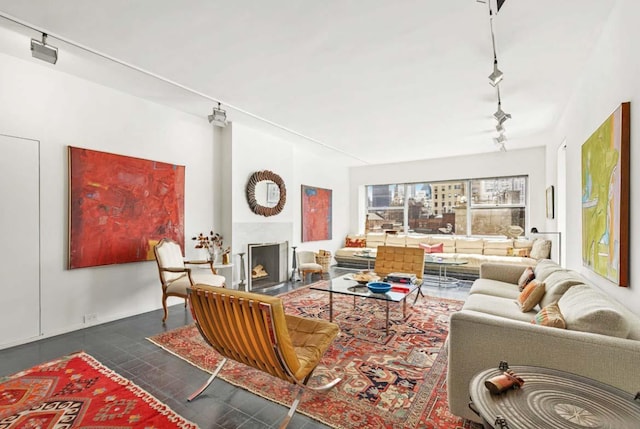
218	117
497	75
42	51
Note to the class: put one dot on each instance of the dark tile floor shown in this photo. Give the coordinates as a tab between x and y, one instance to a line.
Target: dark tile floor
122	346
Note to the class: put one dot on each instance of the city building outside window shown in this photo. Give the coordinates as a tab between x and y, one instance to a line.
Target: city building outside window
479	207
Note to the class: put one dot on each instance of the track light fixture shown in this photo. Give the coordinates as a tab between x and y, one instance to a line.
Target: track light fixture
218	117
500	139
500	115
42	51
497	75
500	128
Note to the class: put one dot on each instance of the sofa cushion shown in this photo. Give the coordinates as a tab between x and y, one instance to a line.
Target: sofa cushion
558	283
472	246
494	288
397	240
541	249
414	240
525	278
375	239
432	248
545	267
530	295
522	243
550	316
497	306
498	247
448	241
585	309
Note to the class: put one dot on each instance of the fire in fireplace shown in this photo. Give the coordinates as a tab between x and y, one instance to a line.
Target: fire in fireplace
268	264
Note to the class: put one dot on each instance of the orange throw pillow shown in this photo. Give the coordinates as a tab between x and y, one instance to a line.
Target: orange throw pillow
531	295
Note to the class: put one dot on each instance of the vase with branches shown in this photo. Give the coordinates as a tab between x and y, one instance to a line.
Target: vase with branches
212	243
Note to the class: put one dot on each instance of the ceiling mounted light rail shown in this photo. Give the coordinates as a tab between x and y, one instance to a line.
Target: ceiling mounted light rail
218	117
42	51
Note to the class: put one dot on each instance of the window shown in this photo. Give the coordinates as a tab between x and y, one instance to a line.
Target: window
477	207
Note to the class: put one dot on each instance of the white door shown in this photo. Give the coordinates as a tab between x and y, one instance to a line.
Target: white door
20	240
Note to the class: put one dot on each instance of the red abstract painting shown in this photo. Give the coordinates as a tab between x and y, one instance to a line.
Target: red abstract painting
120	207
316	213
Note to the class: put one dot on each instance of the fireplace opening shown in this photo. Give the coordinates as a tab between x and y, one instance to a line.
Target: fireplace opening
268	264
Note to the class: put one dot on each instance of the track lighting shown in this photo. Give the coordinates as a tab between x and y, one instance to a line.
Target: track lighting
500	115
218	117
42	51
500	128
500	139
497	75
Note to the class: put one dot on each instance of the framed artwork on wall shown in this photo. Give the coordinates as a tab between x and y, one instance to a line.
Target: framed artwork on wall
605	198
550	203
120	207
316	213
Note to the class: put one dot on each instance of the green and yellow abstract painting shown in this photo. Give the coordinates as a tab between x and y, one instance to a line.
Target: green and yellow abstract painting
602	199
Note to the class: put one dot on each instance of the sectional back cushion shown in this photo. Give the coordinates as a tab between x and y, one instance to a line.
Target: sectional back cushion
558	282
471	246
585	309
448	242
498	247
415	240
397	240
545	267
375	239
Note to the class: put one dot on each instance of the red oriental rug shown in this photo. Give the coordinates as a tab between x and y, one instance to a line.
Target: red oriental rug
77	391
395	381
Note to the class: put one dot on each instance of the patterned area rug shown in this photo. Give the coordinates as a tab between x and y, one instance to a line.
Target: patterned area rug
395	381
77	391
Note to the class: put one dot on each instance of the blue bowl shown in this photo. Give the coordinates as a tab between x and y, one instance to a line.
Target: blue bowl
379	287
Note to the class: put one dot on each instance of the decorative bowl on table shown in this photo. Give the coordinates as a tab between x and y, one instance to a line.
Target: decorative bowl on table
379	287
365	277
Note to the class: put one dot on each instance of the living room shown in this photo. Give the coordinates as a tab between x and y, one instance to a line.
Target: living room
51	107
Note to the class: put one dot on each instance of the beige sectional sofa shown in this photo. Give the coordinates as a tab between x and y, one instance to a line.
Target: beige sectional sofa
601	339
475	250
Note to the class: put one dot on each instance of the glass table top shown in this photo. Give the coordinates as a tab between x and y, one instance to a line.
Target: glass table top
345	285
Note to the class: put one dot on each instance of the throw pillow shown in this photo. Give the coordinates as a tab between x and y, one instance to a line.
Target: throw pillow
530	295
432	248
550	316
585	309
525	278
541	249
355	242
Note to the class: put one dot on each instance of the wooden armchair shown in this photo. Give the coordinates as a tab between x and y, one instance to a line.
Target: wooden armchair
253	329
175	277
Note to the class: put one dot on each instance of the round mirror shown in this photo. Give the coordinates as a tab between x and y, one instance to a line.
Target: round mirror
266	193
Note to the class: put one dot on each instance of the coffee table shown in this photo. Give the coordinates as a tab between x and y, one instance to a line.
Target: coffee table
345	285
442	280
553	399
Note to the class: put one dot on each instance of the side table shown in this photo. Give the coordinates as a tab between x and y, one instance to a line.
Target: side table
225	266
553	399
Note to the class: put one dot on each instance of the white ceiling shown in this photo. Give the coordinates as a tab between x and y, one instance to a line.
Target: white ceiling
381	81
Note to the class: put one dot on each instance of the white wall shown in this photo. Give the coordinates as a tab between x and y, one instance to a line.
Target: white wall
57	109
528	162
298	164
609	78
